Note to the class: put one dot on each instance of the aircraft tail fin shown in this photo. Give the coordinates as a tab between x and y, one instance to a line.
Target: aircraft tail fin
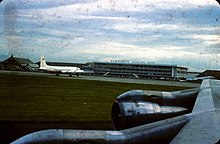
42	62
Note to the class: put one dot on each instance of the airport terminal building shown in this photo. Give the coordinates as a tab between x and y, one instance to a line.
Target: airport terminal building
139	70
114	68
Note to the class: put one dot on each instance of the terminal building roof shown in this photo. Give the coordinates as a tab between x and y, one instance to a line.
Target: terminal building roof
140	63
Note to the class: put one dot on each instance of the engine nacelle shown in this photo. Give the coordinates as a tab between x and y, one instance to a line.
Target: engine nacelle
139	107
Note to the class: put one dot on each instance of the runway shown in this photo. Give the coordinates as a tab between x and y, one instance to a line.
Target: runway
110	79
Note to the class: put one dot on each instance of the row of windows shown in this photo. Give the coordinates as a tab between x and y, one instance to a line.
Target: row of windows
139	73
136	70
132	66
130	72
124	68
183	72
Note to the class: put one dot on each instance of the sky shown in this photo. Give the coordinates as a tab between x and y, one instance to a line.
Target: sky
182	32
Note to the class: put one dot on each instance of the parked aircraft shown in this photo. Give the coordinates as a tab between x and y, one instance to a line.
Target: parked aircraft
201	78
180	117
197	78
59	69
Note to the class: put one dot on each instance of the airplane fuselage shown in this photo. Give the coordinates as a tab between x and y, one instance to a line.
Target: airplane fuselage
59	69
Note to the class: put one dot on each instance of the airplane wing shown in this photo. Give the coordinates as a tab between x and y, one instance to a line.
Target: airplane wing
203	126
74	70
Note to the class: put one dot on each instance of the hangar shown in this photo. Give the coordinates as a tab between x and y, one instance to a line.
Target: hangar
19	64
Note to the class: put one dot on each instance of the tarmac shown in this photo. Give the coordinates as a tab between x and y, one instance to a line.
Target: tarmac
111	79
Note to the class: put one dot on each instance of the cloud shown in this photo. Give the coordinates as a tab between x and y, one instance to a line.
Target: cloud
136	52
208	40
137	27
154	30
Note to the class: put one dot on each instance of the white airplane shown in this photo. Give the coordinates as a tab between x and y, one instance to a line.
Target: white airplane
201	78
59	69
198	78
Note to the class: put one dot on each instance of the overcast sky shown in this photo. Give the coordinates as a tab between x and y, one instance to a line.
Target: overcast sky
182	32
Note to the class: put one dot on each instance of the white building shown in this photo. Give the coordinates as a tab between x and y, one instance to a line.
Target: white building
139	70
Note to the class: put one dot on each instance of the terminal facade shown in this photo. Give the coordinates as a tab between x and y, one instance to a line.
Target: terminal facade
138	70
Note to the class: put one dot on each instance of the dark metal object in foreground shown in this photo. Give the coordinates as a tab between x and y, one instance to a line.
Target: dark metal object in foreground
159	132
138	107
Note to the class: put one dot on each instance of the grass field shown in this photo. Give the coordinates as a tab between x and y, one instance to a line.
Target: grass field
33	103
41	98
50	99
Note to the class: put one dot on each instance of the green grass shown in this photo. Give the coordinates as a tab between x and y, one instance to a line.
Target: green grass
41	98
